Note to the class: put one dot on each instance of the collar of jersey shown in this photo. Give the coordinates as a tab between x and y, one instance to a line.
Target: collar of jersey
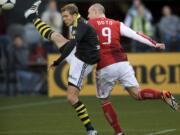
76	20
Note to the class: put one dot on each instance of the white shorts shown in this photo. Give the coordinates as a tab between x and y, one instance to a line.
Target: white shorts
106	78
69	57
78	70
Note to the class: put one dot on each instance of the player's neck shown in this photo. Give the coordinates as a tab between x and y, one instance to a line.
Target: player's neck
101	16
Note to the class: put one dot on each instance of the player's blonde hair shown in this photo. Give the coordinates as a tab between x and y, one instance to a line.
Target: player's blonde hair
71	8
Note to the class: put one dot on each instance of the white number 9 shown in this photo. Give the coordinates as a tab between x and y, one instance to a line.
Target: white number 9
106	32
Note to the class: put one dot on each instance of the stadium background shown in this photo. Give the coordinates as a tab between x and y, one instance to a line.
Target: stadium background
29	110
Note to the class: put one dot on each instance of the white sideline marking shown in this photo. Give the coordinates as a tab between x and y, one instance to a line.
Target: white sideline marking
46	131
162	132
41	131
32	104
77	131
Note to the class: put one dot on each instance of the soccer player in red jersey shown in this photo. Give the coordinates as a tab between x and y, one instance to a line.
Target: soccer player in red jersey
114	66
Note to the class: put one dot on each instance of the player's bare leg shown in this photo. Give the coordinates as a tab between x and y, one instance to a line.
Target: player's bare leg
153	94
111	116
72	94
32	15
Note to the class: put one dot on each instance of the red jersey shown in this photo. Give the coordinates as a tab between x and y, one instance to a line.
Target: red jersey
108	31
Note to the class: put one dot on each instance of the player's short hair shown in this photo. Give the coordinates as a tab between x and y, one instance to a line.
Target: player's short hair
99	7
71	8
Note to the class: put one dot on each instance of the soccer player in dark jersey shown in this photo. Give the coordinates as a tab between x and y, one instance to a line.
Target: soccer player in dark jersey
114	66
81	52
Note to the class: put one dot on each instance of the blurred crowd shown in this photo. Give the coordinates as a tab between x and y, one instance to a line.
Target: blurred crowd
167	31
23	53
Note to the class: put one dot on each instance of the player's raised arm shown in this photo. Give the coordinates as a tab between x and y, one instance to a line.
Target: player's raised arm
128	32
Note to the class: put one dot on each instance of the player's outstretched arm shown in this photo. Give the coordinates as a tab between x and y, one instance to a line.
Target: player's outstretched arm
128	32
65	51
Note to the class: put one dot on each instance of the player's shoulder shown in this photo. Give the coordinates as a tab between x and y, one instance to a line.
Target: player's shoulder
110	19
116	21
83	23
92	21
113	21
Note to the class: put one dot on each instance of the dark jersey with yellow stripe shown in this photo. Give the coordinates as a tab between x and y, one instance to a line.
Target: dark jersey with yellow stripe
87	45
84	38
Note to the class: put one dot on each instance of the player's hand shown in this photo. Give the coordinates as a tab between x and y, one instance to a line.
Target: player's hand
52	67
55	64
160	46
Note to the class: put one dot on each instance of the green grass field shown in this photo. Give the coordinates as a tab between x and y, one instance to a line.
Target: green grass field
45	116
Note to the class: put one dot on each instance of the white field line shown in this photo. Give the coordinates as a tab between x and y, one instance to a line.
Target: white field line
61	131
162	132
40	131
32	104
78	131
46	131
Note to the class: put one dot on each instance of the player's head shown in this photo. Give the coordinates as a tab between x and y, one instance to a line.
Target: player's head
69	13
95	11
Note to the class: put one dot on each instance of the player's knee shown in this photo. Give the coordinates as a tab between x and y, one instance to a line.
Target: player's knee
104	100
58	39
72	94
72	99
134	92
136	96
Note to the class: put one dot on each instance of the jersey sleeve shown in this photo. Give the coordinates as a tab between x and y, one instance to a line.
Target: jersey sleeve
65	51
128	32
